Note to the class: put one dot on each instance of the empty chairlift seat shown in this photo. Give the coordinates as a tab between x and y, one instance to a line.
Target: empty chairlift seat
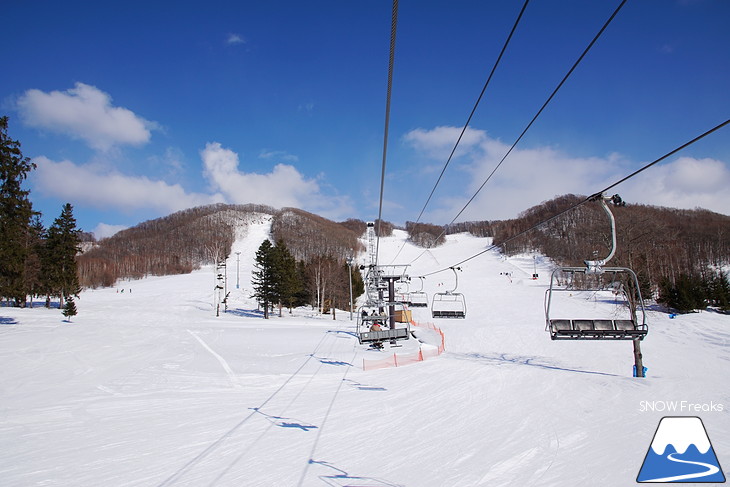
448	305
605	285
602	329
419	300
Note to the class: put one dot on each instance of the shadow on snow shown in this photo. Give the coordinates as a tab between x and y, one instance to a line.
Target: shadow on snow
343	479
246	313
285	422
503	358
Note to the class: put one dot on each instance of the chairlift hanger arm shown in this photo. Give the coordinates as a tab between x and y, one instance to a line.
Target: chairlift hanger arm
595	266
456	279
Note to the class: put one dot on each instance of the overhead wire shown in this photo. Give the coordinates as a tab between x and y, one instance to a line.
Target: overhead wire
471	115
534	118
586	200
393	28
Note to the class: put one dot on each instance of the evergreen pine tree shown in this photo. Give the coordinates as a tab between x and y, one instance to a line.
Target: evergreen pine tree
264	283
34	275
686	294
62	245
303	295
285	276
69	309
720	292
15	215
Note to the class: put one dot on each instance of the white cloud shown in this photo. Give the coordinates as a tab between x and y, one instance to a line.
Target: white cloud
284	186
235	39
88	185
278	155
171	163
529	176
438	143
684	183
98	186
526	178
84	112
104	230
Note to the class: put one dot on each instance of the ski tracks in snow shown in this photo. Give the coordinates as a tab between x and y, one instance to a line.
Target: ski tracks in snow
228	459
221	360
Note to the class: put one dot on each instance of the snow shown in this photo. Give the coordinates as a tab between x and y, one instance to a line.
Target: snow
149	388
680	432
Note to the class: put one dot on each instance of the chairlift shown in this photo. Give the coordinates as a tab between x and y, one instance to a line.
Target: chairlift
419	299
449	304
402	294
374	327
595	283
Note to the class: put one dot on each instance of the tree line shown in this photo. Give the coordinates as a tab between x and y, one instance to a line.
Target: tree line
183	241
308	235
322	250
425	235
174	244
322	281
34	261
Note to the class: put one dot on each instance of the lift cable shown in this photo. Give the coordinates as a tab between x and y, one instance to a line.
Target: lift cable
586	200
393	25
468	120
539	112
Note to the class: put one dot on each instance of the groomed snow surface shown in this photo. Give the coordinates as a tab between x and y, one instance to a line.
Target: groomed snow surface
147	387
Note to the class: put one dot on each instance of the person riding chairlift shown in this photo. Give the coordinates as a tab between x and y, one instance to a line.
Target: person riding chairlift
377	326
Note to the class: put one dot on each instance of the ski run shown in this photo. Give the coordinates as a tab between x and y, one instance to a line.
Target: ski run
147	387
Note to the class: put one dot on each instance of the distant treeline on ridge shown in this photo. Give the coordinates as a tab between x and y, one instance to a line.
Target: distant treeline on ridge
663	245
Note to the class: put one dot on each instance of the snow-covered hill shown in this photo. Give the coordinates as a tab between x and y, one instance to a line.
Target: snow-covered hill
146	387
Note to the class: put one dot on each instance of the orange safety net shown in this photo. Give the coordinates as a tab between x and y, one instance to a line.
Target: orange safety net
397	360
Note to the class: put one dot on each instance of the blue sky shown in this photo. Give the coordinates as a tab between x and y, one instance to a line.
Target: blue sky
133	110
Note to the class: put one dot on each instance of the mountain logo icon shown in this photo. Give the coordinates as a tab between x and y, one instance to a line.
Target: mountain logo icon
681	452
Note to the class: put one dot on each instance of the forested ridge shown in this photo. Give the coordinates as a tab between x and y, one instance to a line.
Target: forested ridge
666	247
175	244
670	249
311	252
185	240
308	235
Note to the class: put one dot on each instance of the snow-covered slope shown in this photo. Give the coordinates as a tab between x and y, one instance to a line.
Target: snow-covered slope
147	387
